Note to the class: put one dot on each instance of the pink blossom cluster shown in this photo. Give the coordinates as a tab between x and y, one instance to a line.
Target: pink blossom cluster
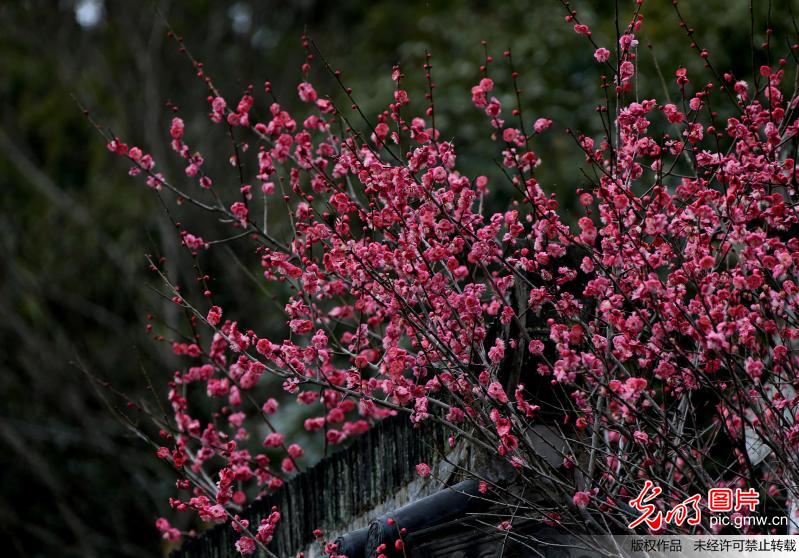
662	318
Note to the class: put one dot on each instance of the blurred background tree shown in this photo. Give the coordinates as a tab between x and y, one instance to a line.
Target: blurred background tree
74	228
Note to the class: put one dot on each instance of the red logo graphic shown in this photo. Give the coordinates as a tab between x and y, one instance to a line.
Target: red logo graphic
688	511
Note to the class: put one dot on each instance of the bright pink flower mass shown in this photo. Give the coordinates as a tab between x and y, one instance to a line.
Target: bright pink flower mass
659	321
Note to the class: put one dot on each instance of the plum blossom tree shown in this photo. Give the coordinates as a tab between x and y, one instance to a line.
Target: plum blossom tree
656	331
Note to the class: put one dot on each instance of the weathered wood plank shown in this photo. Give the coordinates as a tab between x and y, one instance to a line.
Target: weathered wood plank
339	488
